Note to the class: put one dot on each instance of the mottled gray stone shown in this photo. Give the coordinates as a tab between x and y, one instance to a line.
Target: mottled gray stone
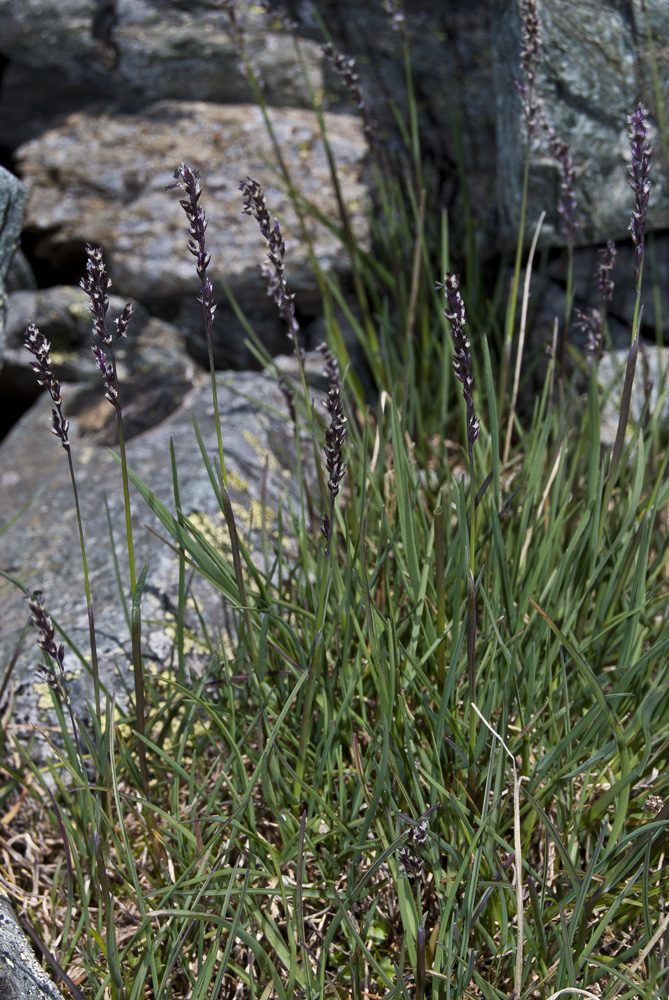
41	548
134	48
21	976
63	315
652	370
101	179
13	197
594	70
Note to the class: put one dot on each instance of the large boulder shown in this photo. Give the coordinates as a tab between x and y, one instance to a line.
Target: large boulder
152	49
13	196
101	178
40	548
650	379
21	975
596	66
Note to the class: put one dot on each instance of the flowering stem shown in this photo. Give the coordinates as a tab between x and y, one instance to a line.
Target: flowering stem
39	347
96	284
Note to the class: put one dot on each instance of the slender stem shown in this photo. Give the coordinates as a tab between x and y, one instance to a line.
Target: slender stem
439	558
316	652
89	603
521	338
511	314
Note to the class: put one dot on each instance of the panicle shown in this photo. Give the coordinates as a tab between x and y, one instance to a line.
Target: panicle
188	179
40	348
273	267
603	279
462	358
639	181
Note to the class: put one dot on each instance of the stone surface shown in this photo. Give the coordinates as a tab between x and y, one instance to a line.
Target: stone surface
13	196
652	371
41	548
101	178
452	82
158	48
21	976
654	290
595	69
63	315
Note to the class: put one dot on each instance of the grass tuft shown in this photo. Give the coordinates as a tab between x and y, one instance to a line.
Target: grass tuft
430	757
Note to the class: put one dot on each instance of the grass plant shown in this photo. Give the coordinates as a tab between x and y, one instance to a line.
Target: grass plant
435	763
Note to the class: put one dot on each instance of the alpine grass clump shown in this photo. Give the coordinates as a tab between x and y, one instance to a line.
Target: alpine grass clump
429	758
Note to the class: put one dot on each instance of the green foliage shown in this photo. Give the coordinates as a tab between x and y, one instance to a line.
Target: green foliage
284	783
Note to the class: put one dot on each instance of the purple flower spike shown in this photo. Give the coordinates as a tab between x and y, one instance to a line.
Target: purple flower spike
272	269
97	285
393	9
40	348
530	57
335	436
188	178
462	358
567	204
344	67
639	181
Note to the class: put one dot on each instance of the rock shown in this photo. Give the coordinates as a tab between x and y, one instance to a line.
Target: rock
650	378
63	315
453	87
13	196
653	290
21	976
156	48
102	179
41	547
595	67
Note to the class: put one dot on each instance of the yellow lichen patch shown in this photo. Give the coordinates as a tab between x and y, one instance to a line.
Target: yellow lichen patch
42	690
216	534
64	357
43	695
253	441
235	482
79	308
249	514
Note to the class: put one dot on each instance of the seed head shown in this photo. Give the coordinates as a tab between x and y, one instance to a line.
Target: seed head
40	348
188	179
272	269
603	278
639	181
462	358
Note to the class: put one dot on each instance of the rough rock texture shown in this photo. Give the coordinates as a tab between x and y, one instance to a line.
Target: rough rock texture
63	315
594	70
101	178
13	196
156	47
621	308
652	369
21	976
452	81
41	547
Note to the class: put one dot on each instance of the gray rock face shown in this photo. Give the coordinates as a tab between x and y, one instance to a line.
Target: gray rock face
21	976
63	315
13	196
155	47
101	178
594	70
650	379
452	81
41	548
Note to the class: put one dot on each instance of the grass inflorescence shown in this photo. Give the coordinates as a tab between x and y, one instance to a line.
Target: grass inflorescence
435	762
